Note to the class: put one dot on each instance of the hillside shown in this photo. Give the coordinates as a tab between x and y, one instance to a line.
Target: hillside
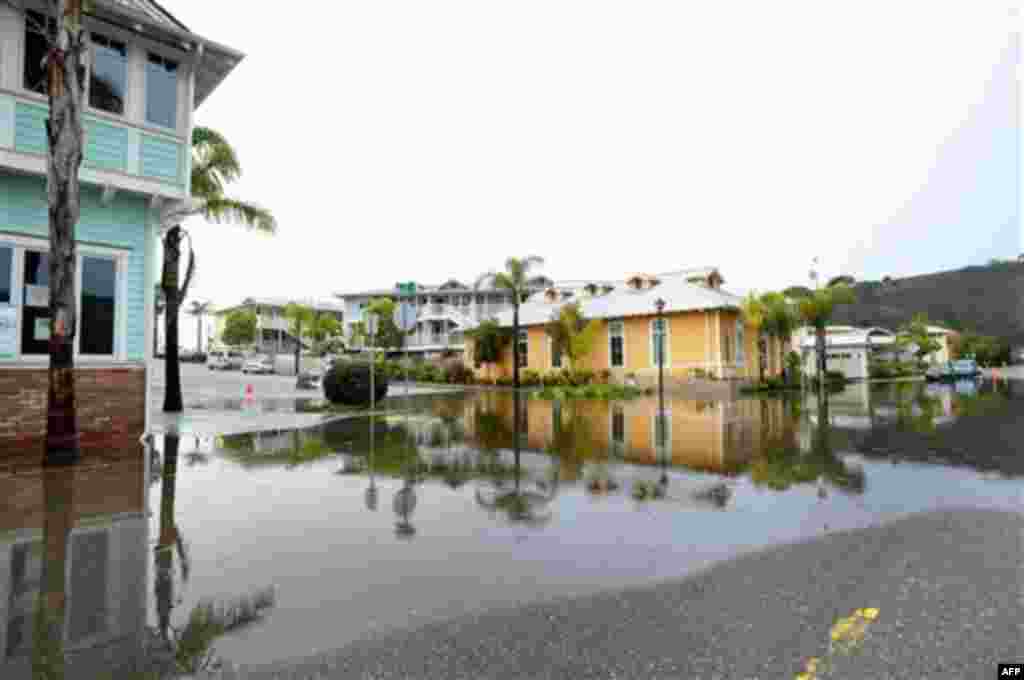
986	299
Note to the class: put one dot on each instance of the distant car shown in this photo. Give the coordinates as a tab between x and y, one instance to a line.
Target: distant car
258	364
225	361
965	368
309	380
943	371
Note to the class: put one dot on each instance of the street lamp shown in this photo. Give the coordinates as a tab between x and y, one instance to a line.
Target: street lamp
659	306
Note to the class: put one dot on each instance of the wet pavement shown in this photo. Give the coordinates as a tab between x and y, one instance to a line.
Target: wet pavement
450	537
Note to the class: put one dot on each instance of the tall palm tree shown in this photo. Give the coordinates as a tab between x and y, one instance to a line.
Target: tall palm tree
781	320
199	310
517	280
754	313
214	165
816	308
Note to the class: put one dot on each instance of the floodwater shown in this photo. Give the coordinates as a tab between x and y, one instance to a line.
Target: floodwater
453	504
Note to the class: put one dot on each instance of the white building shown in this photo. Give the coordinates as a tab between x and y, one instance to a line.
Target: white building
272	328
850	349
443	312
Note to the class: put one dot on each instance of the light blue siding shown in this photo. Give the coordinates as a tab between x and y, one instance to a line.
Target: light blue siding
161	159
122	224
30	128
106	146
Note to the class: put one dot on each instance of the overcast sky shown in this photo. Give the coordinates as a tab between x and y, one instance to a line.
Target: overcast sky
422	139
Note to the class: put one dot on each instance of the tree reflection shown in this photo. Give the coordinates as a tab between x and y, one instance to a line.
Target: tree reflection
48	648
781	466
169	542
519	504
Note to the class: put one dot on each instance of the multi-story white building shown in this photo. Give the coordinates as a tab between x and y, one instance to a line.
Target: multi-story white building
443	312
273	335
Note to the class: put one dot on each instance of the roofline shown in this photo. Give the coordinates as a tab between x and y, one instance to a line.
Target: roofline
168	14
668	312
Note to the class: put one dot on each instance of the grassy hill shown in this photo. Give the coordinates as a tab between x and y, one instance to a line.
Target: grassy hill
985	299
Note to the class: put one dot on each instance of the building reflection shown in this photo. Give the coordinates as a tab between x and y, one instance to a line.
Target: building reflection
73	545
718	437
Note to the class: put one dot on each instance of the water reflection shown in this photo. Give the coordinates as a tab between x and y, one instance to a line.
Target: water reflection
73	568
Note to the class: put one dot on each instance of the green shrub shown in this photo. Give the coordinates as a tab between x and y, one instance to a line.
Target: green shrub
529	378
604	376
503	381
456	372
349	383
835	376
699	373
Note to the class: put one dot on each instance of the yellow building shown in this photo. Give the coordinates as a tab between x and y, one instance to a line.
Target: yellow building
702	329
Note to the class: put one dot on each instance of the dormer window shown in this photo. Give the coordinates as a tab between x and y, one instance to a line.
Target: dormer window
635	282
590	289
550	295
567	294
606	289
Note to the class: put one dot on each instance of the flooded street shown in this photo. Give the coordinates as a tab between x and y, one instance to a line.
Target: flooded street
448	505
437	516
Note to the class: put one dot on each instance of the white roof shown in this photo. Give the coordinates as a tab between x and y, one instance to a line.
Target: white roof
858	337
623	301
320	305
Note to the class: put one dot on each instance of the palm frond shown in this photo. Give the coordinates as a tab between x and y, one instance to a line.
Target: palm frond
485	280
223	209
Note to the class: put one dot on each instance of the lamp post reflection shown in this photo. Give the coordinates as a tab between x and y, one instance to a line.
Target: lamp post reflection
371	496
659	307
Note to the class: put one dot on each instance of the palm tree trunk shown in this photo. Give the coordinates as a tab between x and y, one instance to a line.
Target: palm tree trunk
65	139
819	345
762	356
172	368
515	345
298	347
199	332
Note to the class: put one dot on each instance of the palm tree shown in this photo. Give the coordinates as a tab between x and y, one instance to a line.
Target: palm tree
214	165
754	312
780	321
816	308
517	281
300	321
199	310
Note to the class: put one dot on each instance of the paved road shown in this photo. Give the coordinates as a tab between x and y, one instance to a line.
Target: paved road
212	402
948	587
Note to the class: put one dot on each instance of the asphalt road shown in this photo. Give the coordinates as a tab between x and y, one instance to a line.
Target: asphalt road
949	588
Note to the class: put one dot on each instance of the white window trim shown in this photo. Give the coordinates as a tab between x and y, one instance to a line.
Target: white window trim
650	343
524	338
19	245
625	362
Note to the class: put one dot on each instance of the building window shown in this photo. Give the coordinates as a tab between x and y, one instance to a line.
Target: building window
740	355
556	354
618	430
524	348
162	91
36	49
727	347
35	315
98	311
108	81
659	342
616	344
6	274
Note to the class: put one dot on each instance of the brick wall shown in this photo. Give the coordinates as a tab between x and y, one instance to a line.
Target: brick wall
111	406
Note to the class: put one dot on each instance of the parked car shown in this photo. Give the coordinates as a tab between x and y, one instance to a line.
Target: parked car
225	361
309	380
258	364
943	371
965	368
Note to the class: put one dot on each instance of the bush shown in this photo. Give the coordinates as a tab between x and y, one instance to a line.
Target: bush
604	376
835	376
699	373
529	378
456	372
503	381
349	383
583	376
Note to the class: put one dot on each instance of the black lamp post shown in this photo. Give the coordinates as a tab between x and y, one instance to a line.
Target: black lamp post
659	306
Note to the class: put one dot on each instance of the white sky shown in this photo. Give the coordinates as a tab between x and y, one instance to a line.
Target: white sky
417	140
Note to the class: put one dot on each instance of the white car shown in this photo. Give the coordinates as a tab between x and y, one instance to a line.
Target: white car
258	364
225	361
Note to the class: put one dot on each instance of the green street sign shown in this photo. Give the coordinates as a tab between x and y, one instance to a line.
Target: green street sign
406	288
